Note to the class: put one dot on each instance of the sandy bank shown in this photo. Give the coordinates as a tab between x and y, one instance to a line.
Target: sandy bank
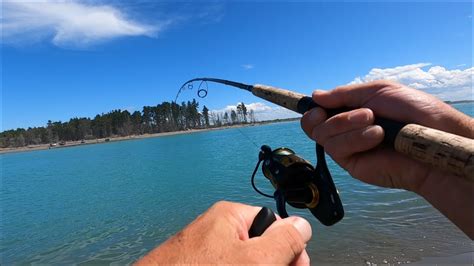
117	138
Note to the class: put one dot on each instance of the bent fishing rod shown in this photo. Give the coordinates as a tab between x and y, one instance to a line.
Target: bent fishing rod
440	149
303	186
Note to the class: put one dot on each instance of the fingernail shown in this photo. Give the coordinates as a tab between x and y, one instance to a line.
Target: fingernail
316	115
359	116
372	132
303	227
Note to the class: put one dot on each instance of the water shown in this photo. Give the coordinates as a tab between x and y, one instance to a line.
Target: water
111	203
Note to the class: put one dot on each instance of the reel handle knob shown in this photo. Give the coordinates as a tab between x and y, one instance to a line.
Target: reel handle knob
262	221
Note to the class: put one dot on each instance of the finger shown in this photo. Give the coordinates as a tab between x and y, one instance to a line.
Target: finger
342	123
240	215
359	140
302	260
350	95
311	119
391	170
284	240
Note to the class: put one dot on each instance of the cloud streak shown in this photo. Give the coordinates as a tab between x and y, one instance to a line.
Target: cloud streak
455	84
247	66
68	23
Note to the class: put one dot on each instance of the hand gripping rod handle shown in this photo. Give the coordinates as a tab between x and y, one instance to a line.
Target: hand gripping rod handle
440	149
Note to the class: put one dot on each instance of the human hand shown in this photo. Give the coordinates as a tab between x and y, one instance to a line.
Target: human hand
352	140
220	235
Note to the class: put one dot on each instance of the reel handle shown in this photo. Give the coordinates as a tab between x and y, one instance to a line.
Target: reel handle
440	149
265	217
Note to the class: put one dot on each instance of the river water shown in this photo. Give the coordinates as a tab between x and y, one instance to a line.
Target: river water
111	203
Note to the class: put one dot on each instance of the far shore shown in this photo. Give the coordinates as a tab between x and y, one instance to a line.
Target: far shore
131	137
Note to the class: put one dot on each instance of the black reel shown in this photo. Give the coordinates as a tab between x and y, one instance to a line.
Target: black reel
299	184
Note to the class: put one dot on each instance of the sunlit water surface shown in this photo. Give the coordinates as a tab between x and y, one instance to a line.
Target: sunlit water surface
111	203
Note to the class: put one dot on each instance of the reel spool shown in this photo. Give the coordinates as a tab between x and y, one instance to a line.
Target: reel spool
299	184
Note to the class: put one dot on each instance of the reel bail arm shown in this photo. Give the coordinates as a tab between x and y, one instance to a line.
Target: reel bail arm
297	183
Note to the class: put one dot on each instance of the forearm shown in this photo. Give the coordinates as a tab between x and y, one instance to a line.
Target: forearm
453	196
458	123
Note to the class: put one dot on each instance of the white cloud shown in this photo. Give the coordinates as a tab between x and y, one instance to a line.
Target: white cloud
67	23
247	66
262	111
446	84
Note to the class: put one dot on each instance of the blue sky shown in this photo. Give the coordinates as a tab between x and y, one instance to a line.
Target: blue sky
80	58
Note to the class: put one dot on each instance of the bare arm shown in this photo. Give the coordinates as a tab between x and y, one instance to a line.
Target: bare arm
219	236
353	141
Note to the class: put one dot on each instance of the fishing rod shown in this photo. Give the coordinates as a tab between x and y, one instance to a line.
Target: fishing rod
303	186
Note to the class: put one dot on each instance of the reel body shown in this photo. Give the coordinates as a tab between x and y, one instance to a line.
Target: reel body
299	184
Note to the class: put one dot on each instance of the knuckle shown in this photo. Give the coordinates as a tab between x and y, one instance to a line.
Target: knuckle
387	83
343	145
349	138
318	134
340	90
254	255
222	204
305	124
292	240
338	122
332	147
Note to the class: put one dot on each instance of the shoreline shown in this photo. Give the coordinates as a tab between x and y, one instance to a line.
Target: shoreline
68	144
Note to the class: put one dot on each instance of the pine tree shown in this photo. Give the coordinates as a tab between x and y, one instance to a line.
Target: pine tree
205	114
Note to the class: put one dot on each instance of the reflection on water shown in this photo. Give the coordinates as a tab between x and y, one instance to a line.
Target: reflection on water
111	203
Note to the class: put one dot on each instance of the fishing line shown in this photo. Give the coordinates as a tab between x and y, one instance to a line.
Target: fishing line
202	92
301	185
252	179
248	138
295	180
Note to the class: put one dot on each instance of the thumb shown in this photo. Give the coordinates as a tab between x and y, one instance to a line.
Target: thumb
284	240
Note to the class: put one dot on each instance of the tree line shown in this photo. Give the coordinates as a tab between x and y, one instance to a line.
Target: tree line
164	117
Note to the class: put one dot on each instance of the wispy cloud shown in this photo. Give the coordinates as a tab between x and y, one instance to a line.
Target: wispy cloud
68	23
455	84
211	13
247	66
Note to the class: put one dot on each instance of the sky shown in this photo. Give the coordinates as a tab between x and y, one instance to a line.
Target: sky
64	59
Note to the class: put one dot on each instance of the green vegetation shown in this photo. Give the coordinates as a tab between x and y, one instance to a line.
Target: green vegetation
164	117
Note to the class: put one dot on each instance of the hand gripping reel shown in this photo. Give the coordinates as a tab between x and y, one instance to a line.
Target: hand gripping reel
299	184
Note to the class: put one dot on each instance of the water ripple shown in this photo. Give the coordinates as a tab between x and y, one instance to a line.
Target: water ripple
111	203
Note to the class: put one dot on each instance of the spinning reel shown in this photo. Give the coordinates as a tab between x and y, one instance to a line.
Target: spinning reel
299	184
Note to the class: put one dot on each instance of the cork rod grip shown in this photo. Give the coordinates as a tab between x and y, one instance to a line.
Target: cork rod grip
284	98
437	148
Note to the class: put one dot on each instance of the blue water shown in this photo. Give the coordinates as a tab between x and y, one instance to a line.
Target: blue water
111	203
